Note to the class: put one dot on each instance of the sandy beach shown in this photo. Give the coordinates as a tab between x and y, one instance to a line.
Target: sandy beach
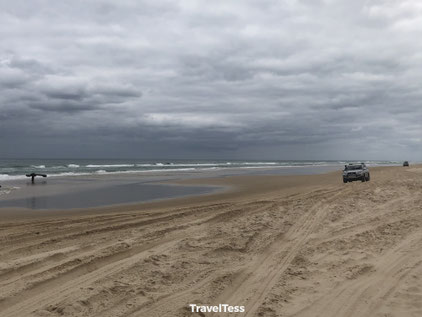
305	245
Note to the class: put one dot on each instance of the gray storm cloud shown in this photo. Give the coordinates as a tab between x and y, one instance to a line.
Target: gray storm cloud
248	79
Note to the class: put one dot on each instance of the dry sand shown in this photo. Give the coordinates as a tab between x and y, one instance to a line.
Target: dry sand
281	245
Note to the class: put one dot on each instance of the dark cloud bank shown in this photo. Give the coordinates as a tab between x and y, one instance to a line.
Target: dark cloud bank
221	79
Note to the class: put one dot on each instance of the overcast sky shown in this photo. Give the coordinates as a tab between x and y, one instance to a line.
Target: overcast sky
264	79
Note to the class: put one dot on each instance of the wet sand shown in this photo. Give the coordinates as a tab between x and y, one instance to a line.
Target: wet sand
67	195
105	196
305	245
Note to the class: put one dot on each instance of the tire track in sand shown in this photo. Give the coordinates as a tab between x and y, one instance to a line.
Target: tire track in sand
252	286
63	286
181	298
363	297
184	295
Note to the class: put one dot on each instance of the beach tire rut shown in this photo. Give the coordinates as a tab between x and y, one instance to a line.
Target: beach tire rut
251	287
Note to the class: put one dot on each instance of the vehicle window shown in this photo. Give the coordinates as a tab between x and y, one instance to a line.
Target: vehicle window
353	167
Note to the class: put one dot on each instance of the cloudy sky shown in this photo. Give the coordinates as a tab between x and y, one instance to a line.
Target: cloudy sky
264	79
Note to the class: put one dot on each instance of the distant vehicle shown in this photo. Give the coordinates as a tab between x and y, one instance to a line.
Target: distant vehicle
405	163
355	172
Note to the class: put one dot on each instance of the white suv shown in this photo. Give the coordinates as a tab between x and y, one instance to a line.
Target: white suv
354	172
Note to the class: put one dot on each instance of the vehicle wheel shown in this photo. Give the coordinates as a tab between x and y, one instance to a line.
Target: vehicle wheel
363	179
368	178
344	180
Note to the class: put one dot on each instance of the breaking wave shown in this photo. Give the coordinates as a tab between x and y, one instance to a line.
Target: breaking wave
17	169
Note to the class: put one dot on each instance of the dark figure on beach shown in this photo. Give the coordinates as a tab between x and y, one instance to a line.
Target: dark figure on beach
33	175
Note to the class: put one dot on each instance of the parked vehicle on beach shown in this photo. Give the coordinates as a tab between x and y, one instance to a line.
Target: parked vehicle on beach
355	172
405	163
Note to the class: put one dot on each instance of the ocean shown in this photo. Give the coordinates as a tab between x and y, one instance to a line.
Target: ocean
14	169
104	182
